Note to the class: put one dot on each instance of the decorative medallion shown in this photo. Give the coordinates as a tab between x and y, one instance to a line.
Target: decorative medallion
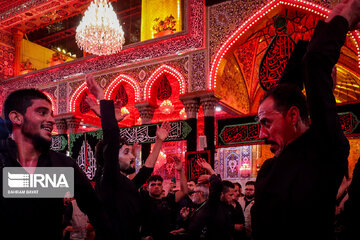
84	107
164	90
122	95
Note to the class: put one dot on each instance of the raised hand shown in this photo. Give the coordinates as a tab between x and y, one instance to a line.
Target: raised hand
203	179
163	131
184	212
205	165
336	10
118	114
93	105
94	87
178	163
350	10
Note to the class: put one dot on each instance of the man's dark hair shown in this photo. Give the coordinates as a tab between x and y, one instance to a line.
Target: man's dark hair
287	95
154	178
19	101
225	185
99	150
250	183
237	184
99	156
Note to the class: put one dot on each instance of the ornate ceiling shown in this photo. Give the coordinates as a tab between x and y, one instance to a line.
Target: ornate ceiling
28	16
238	72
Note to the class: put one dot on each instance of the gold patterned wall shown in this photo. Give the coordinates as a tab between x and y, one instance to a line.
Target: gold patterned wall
354	154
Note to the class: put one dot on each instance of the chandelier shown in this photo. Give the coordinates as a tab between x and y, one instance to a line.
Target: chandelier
99	31
124	110
183	114
166	107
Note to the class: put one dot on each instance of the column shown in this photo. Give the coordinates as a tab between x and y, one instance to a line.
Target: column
73	124
191	104
146	111
18	36
61	125
208	101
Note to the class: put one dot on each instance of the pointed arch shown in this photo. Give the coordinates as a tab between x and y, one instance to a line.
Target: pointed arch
268	8
157	73
52	100
117	81
75	98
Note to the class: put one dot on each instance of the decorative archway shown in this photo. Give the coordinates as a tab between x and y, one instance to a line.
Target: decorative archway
163	89
126	89
246	91
52	100
110	91
77	97
158	73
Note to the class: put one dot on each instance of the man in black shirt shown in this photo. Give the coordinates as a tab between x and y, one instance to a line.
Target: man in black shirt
296	190
118	193
160	213
233	208
30	121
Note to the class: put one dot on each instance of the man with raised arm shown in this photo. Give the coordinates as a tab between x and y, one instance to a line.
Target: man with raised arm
296	190
116	158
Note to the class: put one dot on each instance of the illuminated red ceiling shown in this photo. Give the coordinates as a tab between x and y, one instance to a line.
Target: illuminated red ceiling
6	4
41	15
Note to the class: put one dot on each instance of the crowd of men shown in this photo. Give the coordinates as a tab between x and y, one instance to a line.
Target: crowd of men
294	196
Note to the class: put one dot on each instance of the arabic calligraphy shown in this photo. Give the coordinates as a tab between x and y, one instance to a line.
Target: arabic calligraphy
241	133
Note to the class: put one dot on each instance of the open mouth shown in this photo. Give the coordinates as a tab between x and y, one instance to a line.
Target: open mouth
47	128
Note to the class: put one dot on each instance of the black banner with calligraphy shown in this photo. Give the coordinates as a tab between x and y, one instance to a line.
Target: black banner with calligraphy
245	130
349	116
82	149
234	131
59	143
193	170
147	133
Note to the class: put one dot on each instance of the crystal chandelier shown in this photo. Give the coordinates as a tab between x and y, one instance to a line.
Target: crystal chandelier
99	31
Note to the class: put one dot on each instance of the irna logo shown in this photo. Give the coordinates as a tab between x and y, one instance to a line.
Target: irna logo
37	180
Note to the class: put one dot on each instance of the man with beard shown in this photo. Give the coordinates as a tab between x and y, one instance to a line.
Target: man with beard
296	190
30	121
246	203
116	159
198	197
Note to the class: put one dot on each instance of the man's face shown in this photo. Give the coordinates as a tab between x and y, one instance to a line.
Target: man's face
197	196
38	123
228	197
236	192
191	185
249	191
126	159
155	188
275	128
